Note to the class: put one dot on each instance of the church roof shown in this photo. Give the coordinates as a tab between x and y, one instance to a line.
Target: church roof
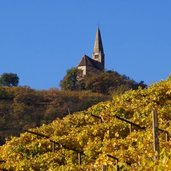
98	46
87	61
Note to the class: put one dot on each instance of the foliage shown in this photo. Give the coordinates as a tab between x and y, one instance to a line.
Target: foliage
70	80
9	79
99	136
108	82
22	107
111	82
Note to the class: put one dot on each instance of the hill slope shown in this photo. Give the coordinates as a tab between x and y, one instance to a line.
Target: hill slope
99	135
22	108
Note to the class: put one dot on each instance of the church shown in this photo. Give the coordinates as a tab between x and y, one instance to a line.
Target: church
89	66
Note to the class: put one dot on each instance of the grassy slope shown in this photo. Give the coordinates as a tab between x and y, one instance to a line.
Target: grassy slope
98	139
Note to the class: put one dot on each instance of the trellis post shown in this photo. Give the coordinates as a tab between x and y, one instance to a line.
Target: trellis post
79	158
104	168
130	127
155	134
53	146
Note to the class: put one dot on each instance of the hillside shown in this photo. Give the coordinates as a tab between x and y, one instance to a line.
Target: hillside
22	108
100	135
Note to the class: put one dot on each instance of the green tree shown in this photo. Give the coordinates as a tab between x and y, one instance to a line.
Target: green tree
9	79
110	82
70	80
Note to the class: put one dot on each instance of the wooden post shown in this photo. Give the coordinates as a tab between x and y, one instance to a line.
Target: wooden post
167	136
79	158
104	168
155	134
117	167
53	146
130	127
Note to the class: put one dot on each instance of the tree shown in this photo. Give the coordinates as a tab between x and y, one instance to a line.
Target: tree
9	79
104	82
70	80
111	82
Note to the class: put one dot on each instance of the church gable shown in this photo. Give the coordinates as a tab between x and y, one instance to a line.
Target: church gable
85	61
89	62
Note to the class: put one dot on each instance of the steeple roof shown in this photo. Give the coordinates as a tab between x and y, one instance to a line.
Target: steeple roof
98	46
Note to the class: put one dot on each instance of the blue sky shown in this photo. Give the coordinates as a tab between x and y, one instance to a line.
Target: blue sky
41	39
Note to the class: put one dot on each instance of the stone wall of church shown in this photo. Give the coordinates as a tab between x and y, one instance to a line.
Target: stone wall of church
83	69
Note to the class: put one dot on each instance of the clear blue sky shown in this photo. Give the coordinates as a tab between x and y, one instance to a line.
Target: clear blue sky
41	39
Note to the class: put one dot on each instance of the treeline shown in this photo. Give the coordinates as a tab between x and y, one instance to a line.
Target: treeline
22	107
107	82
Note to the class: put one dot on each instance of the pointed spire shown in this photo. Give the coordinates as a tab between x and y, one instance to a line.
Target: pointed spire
98	53
98	46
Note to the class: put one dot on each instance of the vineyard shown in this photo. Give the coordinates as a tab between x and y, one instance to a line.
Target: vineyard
113	135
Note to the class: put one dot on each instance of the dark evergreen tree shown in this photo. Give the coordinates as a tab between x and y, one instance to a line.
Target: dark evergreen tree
9	79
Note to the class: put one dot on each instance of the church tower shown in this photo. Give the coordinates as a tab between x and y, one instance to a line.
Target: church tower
98	53
90	66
